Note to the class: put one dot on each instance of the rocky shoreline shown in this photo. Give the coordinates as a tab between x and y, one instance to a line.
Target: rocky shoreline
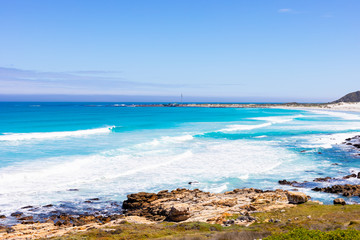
180	205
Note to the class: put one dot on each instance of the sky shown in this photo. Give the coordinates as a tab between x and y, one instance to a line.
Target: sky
156	50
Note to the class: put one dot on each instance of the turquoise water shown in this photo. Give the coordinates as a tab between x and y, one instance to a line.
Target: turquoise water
105	151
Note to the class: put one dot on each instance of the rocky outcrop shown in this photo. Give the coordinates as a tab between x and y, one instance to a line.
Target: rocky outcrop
350	97
286	182
196	205
346	190
353	142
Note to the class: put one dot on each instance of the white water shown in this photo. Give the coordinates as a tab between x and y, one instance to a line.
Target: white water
52	135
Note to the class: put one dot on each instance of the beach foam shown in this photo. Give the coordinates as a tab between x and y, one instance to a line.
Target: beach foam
52	135
343	115
269	121
325	141
117	173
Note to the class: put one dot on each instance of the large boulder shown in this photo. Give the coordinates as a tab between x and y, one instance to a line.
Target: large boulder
296	197
178	213
339	201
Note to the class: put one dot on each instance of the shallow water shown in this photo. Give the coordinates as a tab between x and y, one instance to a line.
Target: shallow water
107	152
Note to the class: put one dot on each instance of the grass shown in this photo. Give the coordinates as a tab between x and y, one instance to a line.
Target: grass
306	221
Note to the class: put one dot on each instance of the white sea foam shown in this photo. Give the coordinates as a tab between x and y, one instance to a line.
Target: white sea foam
269	121
279	119
325	141
166	140
52	135
262	136
116	173
343	115
239	127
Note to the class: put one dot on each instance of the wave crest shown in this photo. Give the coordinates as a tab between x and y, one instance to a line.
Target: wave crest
47	135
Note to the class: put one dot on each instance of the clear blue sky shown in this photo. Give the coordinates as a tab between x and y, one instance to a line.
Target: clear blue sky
235	50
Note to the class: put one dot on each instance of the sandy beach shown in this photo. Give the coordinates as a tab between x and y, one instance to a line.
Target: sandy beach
347	107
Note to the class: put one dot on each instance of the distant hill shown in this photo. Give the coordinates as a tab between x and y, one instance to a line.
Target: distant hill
351	97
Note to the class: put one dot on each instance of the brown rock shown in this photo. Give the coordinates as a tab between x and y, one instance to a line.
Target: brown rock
296	197
16	214
26	218
339	201
178	213
347	190
196	205
285	182
325	179
350	176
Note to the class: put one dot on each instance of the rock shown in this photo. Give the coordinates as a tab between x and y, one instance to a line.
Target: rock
347	190
10	230
194	182
246	218
339	201
285	182
353	175
296	197
178	213
27	207
358	175
2	216
196	205
73	190
47	206
16	214
325	179
139	200
26	218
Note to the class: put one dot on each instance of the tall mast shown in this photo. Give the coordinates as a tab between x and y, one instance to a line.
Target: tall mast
181	98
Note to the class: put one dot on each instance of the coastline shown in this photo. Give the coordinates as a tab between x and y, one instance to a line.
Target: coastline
64	224
347	107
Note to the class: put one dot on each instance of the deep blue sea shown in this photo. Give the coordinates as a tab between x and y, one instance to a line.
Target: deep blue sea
66	153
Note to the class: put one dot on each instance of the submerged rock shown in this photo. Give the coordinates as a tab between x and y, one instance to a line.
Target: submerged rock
325	179
285	182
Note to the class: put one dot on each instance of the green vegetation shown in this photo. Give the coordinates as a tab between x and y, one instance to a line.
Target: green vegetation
303	234
306	221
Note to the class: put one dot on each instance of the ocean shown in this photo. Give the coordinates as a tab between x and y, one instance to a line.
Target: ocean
64	154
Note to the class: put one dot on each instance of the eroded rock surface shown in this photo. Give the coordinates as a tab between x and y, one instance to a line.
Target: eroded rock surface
297	197
196	205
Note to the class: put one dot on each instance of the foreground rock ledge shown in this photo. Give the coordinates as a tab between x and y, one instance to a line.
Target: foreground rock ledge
196	205
178	205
